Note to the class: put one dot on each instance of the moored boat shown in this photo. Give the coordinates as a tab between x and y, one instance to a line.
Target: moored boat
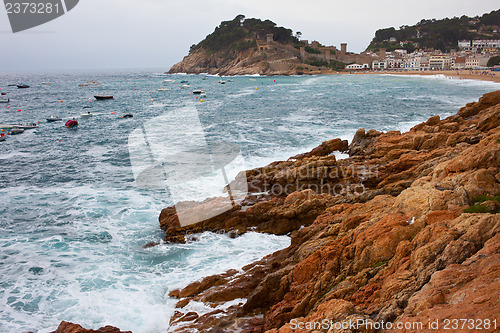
128	115
2	137
23	86
4	100
16	130
71	124
26	127
51	119
198	92
86	115
102	98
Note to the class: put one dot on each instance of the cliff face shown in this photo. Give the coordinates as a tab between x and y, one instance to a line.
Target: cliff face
229	62
398	249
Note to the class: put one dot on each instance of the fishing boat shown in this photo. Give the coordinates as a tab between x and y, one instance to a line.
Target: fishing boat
71	124
198	92
16	130
102	98
3	93
128	115
26	127
4	100
51	119
2	137
21	86
86	115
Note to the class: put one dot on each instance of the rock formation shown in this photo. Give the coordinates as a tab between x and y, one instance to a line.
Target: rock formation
403	232
396	248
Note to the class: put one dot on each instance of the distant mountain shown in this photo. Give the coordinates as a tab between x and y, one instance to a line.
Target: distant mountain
438	34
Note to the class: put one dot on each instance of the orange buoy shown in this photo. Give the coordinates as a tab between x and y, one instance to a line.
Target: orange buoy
112	113
61	101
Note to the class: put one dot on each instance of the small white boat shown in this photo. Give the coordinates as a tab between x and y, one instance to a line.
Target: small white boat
51	119
222	82
6	126
185	86
86	115
16	130
168	81
4	100
163	89
47	83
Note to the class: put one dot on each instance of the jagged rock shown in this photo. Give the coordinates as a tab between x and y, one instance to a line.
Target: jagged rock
67	327
402	250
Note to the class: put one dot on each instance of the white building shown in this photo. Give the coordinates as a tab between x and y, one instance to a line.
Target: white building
486	43
440	62
471	63
464	44
379	64
412	63
354	67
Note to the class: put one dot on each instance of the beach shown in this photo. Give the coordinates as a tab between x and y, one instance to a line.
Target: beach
464	74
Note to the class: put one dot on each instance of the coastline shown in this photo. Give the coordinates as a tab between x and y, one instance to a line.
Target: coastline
372	256
450	74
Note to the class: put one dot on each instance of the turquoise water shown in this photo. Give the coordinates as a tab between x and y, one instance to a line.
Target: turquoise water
73	221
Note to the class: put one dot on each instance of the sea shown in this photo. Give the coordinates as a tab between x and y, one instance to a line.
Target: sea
74	219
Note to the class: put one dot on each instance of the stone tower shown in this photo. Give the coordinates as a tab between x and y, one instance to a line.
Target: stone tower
343	48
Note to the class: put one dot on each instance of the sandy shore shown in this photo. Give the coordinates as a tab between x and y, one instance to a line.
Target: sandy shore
459	75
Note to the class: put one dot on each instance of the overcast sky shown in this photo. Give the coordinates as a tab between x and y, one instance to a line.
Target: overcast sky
108	34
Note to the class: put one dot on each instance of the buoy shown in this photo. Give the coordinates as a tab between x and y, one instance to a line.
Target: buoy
152	100
60	140
255	88
121	117
201	100
3	130
8	107
112	113
19	110
61	101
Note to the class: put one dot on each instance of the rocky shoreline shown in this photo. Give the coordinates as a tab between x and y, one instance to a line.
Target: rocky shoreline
403	231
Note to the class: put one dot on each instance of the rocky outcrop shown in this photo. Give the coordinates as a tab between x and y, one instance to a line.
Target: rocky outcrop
66	327
379	237
399	249
278	60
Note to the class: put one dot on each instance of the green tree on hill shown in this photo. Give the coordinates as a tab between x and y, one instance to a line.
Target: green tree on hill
237	34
